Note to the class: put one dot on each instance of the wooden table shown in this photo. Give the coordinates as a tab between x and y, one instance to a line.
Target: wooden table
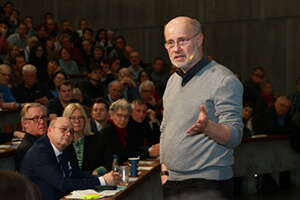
7	157
146	187
267	154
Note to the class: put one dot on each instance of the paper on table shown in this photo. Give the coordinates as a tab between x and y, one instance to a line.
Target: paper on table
145	162
132	179
77	194
4	146
145	168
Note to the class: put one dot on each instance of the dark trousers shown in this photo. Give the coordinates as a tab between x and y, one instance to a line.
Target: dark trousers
193	189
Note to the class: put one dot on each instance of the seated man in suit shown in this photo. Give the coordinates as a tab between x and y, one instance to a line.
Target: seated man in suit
115	89
47	164
99	115
276	119
143	125
34	122
30	91
130	91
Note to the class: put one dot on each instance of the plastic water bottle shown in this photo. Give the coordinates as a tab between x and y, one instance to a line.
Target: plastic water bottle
115	164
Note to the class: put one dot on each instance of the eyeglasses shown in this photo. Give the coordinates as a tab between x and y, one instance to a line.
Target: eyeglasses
122	116
38	119
127	75
3	74
65	130
73	119
285	106
148	91
180	42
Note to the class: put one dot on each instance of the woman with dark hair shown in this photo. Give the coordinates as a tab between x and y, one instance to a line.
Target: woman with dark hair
52	67
98	54
56	78
38	58
66	64
42	33
115	65
50	47
101	39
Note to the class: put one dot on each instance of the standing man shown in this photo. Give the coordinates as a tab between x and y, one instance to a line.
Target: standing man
202	121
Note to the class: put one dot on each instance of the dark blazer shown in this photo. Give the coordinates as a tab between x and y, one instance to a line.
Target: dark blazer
40	165
110	137
94	128
95	154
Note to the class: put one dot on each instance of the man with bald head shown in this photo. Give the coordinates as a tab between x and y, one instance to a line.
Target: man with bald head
202	121
47	164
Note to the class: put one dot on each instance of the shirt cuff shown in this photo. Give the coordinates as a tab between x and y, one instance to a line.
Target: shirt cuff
102	181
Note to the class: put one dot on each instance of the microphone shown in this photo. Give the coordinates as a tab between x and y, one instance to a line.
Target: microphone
192	56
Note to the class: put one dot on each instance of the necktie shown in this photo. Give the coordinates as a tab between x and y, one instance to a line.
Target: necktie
61	165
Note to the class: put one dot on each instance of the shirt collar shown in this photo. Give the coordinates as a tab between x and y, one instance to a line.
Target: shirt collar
186	77
56	151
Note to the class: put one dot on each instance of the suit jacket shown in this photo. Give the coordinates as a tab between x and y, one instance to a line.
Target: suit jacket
95	154
269	124
94	128
41	166
111	138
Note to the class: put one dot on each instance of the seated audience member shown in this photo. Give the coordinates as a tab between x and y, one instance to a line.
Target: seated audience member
52	68
15	186
101	39
55	80
130	92
48	16
87	52
98	54
115	65
134	66
14	21
295	99
19	38
34	123
9	102
107	76
30	29
91	85
115	89
158	75
47	164
267	98
51	27
67	65
3	39
30	43
119	50
29	90
83	24
142	125
75	53
77	94
144	76
56	106
161	88
117	137
42	33
17	64
247	119
127	52
87	35
111	36
99	114
276	119
252	89
50	47
12	52
147	91
38	58
86	151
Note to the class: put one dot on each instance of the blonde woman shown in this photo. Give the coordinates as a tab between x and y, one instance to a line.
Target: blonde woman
87	150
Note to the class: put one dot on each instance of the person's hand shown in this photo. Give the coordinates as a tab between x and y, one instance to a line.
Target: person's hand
151	100
19	134
164	178
151	115
43	100
95	173
154	151
128	81
112	178
11	106
201	123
